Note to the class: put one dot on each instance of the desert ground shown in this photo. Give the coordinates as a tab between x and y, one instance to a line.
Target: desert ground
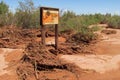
21	57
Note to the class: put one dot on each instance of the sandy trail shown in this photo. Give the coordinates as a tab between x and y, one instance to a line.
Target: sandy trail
105	64
8	57
97	63
109	44
3	64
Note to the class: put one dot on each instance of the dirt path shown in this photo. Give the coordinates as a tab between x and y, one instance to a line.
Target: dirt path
8	63
96	67
105	64
102	63
109	44
3	64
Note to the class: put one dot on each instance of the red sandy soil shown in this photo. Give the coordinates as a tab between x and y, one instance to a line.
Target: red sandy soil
15	43
10	59
23	42
108	45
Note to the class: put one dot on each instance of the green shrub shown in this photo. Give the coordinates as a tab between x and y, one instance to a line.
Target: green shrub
70	20
85	35
4	9
114	22
27	16
95	28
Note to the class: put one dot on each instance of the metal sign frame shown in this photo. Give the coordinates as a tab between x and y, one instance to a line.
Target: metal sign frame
43	26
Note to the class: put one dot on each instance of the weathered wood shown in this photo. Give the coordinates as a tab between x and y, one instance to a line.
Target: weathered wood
56	36
43	35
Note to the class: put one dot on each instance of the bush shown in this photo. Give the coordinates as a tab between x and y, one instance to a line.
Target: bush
95	28
114	22
85	36
27	16
70	20
4	9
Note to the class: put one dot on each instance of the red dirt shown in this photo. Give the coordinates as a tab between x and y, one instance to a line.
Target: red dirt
37	62
108	45
22	67
11	58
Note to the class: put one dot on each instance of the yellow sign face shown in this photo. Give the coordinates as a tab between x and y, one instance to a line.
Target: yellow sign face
50	16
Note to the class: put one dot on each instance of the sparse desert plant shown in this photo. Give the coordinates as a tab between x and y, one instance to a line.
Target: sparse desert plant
27	16
4	9
114	22
95	28
85	35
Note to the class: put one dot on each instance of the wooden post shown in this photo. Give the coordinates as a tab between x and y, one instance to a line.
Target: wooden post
56	36
43	35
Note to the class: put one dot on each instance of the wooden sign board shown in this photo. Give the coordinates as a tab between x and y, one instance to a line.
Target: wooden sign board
49	16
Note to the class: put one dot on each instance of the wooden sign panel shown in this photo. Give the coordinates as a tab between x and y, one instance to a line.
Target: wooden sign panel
49	16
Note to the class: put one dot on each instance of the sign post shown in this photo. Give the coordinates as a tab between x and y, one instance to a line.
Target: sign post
56	37
49	16
43	35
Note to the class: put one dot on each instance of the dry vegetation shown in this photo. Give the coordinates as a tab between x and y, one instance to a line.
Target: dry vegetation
39	60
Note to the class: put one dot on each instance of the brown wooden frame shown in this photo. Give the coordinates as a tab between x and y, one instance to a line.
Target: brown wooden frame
41	13
43	26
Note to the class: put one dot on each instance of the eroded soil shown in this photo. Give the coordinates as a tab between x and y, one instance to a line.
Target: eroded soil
104	64
21	50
